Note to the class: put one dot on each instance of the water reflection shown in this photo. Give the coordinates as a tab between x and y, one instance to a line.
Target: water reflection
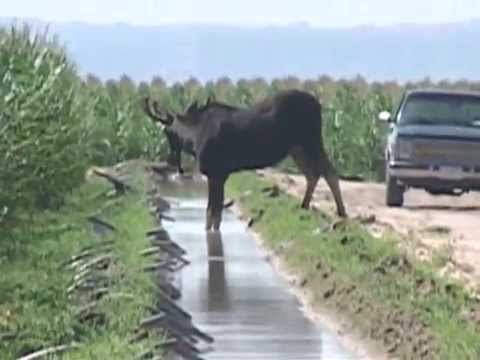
218	299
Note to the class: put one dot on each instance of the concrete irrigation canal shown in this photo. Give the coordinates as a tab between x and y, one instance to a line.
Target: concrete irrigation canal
233	293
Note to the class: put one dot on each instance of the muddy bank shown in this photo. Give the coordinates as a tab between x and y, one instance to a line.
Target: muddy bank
382	296
351	337
438	228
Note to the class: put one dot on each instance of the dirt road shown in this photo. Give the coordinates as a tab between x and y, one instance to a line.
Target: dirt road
443	226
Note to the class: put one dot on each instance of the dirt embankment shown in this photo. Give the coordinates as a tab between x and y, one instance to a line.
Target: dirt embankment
442	228
372	287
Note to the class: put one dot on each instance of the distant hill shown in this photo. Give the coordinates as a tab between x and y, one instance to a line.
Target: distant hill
175	52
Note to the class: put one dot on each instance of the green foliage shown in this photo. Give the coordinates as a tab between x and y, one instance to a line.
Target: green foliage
41	153
34	306
117	128
353	136
53	125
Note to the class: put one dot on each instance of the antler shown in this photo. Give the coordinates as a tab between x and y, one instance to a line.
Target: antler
155	113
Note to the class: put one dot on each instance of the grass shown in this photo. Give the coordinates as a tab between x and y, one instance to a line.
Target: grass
33	300
442	256
400	302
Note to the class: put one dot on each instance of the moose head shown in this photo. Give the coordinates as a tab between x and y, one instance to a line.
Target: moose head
168	123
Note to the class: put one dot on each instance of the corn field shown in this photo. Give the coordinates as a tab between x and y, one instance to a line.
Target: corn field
54	123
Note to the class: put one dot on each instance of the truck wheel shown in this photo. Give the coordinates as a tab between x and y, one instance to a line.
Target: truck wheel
394	193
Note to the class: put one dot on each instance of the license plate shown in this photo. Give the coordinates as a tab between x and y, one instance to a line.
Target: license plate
452	171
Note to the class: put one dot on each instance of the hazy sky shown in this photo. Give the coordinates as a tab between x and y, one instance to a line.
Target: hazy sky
331	13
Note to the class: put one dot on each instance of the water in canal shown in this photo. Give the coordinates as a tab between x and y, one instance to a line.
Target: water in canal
234	294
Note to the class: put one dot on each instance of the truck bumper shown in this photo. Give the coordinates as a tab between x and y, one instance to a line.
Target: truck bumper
445	177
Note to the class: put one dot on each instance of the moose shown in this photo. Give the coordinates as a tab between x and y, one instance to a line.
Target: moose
228	139
176	144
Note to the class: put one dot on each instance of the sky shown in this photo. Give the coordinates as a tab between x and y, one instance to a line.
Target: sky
319	13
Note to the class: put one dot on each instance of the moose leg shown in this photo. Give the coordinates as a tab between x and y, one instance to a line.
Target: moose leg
218	209
334	184
209	218
196	170
218	194
178	156
311	185
311	174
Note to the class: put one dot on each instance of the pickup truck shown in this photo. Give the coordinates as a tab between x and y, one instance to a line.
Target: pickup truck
433	144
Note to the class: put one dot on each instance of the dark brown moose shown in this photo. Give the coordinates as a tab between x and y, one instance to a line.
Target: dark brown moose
227	139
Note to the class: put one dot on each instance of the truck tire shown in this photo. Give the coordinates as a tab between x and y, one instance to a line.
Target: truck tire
394	192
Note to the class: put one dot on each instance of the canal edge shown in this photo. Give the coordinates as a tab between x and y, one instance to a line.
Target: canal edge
348	335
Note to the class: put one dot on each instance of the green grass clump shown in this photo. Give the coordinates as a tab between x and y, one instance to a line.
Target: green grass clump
388	285
34	307
53	124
